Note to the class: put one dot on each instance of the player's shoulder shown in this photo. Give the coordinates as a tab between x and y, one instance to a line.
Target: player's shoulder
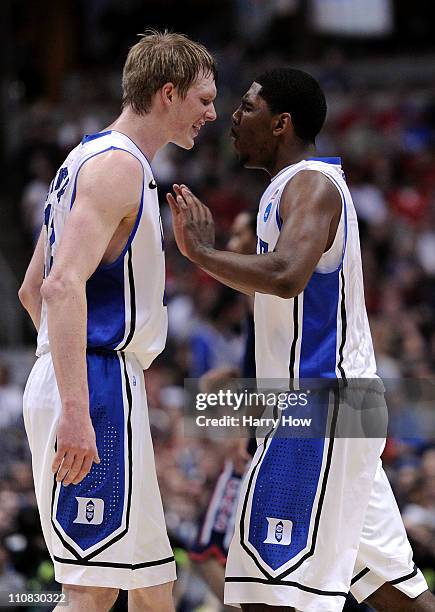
113	165
312	187
316	181
112	148
111	177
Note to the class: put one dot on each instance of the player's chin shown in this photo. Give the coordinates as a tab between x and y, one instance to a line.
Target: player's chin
185	143
245	161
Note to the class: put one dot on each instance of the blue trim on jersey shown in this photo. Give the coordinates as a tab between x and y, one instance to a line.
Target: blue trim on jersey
112	148
105	481
89	137
137	147
132	233
318	357
343	199
105	291
278	217
105	297
336	161
319	327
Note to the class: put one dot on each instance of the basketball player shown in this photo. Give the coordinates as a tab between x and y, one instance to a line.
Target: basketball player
99	267
316	516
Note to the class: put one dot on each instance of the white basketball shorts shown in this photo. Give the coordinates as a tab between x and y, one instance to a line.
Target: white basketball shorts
109	530
317	519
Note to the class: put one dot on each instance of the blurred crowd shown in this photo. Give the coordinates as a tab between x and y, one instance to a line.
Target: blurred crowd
386	138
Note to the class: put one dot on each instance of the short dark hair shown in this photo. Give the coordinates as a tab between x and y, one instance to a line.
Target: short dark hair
287	90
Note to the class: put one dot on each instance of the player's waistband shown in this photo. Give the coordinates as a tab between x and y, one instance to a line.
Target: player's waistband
144	359
90	350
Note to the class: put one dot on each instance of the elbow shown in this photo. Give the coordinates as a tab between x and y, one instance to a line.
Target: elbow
24	295
287	288
28	295
55	288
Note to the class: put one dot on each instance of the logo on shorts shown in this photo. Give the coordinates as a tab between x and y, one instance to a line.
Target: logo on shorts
279	531
90	511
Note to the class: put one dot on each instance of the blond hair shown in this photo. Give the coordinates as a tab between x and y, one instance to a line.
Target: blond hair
159	58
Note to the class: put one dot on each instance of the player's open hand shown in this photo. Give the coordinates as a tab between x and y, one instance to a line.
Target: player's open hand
76	449
192	222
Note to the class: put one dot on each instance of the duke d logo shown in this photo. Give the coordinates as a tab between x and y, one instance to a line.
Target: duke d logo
90	511
279	531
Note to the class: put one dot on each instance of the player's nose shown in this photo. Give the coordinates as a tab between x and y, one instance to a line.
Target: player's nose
235	117
211	113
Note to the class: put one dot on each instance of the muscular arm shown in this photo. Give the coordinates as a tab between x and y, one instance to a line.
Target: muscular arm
29	293
108	191
236	286
310	208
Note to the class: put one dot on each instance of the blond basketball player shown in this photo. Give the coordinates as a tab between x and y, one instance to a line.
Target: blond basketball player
95	291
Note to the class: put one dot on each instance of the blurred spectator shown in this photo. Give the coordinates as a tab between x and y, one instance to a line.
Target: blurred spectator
10	580
35	192
11	399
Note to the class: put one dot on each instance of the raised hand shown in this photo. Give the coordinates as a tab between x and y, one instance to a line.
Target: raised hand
192	222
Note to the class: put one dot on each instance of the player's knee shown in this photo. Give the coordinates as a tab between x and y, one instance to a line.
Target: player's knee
389	599
152	598
90	598
424	602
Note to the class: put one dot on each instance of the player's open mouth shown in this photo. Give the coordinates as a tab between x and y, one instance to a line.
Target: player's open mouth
196	128
234	137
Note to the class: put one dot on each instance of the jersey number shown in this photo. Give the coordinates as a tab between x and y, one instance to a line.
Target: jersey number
58	187
264	246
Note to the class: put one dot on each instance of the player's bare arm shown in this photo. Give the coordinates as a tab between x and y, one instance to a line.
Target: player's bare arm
108	195
310	209
30	290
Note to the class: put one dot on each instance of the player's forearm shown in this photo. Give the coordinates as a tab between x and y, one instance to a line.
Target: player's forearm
30	291
266	273
232	285
66	314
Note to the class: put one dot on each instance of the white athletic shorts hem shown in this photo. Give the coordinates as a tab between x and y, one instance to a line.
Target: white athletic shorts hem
371	582
280	595
115	578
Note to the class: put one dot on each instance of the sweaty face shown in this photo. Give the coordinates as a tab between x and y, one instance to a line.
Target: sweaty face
251	129
193	111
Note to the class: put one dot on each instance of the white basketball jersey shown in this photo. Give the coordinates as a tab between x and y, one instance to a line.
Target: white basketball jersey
324	331
125	299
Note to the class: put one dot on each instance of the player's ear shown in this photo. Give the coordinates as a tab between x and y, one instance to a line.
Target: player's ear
281	123
167	93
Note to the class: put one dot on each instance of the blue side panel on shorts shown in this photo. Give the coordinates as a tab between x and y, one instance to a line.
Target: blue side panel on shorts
105	481
285	489
106	306
319	328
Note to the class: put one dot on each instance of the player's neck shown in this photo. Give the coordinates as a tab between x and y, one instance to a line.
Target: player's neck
144	130
289	156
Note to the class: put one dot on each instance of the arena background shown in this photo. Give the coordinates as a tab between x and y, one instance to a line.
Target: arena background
61	63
